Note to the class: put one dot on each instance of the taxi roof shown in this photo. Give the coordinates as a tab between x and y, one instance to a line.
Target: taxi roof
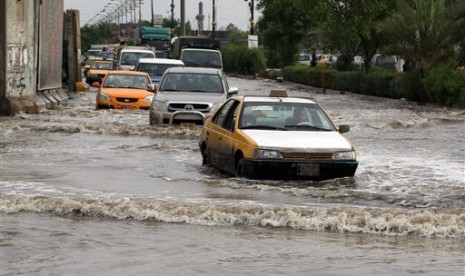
126	72
274	99
102	61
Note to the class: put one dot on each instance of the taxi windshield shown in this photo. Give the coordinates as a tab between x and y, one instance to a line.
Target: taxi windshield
126	81
284	116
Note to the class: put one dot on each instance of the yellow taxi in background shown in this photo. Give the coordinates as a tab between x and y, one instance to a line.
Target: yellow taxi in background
276	137
98	70
125	90
88	63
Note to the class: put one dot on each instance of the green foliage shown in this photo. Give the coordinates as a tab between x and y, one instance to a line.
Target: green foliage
102	33
282	27
377	82
347	81
446	85
380	83
410	86
421	31
236	36
350	27
309	75
235	58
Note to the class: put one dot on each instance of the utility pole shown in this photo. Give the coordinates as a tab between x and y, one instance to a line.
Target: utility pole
183	18
252	9
172	17
214	20
140	13
151	8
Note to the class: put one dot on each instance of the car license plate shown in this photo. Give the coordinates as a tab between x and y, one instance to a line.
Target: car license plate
308	169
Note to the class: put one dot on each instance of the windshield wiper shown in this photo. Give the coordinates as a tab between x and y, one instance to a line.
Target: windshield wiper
262	127
307	127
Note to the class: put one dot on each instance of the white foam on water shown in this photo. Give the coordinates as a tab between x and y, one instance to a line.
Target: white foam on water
375	221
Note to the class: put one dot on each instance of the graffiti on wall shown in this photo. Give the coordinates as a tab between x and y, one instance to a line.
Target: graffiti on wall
16	84
16	58
17	62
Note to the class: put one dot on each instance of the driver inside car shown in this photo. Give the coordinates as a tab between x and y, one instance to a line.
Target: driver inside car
299	117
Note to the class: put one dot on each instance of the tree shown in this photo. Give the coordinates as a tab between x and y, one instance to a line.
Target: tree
423	32
282	26
235	35
349	26
457	11
101	33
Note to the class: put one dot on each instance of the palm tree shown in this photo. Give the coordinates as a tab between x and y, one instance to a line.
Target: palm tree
458	14
423	32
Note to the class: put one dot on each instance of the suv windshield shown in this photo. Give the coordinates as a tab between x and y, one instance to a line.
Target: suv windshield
194	58
155	69
131	58
192	82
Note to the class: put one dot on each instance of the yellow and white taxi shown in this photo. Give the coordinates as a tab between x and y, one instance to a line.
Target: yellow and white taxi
125	90
98	70
276	137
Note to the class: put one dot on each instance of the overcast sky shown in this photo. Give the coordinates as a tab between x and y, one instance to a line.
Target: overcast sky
227	11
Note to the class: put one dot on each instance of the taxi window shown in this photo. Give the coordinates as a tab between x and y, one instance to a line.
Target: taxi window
221	115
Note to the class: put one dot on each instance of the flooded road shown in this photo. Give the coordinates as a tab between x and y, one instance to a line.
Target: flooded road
87	191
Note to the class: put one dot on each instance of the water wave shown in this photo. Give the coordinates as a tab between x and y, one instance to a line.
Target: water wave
105	128
377	221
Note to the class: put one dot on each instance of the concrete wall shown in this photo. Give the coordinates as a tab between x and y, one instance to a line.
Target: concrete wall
2	51
72	45
21	48
19	60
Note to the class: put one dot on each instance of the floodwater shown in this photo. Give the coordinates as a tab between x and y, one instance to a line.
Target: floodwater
100	192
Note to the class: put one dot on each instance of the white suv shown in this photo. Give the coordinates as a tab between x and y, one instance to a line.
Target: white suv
189	95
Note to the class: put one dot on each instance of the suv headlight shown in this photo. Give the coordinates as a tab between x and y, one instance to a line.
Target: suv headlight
159	105
344	155
269	154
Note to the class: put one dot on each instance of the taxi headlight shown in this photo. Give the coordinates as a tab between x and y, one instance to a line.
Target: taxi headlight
148	99
103	97
159	105
269	154
344	155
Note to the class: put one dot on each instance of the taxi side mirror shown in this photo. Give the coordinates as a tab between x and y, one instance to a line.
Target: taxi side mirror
344	128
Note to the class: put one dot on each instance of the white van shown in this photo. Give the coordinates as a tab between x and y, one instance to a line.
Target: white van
155	67
129	57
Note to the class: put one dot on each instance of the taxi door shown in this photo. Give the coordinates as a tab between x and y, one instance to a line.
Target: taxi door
220	136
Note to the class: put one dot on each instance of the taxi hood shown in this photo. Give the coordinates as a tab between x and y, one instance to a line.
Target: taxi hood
126	92
292	140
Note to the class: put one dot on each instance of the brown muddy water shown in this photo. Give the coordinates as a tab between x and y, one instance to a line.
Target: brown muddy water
100	192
